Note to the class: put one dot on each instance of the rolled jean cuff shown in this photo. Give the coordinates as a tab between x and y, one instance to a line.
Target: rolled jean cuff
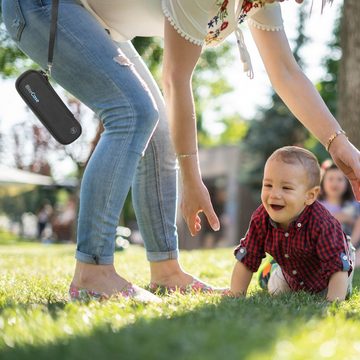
162	256
94	259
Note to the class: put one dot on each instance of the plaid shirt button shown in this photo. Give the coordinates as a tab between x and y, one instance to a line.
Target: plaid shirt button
286	234
299	225
287	256
294	272
301	283
345	257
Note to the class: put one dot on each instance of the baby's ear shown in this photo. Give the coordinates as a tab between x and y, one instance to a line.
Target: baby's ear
311	195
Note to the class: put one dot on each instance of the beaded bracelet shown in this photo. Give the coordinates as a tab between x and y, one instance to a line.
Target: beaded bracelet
333	137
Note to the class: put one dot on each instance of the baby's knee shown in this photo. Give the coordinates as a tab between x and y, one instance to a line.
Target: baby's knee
277	284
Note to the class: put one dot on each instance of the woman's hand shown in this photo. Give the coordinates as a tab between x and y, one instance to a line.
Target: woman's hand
196	199
347	159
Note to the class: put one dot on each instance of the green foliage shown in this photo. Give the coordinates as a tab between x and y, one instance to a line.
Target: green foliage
209	85
233	131
31	201
12	60
150	49
7	238
38	322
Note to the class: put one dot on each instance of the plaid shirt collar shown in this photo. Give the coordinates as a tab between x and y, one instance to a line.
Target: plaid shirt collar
301	219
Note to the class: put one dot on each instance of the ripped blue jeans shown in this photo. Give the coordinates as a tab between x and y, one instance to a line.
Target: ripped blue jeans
134	151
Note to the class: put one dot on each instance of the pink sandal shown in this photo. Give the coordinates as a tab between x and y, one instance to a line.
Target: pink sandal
130	291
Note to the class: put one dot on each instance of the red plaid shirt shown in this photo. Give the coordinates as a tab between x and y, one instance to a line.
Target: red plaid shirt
312	249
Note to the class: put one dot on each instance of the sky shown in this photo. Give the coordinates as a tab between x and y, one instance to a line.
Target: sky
248	94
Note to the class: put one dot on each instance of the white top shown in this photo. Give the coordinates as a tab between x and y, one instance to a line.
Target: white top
202	22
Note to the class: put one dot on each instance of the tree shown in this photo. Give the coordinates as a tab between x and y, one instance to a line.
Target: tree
349	80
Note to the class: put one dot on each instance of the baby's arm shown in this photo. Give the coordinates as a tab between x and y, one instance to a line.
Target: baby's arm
337	288
240	279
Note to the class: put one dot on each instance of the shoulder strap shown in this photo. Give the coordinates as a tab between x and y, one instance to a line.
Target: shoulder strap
53	27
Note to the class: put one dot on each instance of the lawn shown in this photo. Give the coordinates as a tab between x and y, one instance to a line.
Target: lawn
38	322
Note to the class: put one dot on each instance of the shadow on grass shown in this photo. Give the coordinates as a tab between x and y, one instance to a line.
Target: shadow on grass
231	329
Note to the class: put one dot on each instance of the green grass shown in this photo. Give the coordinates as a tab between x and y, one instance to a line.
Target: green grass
7	238
38	322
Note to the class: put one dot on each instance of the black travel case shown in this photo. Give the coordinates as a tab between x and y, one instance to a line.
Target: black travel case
35	89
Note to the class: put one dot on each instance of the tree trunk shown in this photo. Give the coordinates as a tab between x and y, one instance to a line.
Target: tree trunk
349	80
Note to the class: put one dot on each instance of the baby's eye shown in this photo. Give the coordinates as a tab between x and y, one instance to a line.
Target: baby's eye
287	188
267	185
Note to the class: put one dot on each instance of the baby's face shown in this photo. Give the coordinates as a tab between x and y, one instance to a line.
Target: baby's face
284	191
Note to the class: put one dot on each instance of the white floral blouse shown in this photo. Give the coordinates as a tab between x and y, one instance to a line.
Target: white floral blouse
202	22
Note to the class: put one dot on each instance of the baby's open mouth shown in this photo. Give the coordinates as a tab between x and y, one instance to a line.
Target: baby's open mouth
276	207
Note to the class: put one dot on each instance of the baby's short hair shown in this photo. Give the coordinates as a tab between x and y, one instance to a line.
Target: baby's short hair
297	155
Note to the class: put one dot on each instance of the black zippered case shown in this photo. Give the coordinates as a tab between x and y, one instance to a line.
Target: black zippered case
35	89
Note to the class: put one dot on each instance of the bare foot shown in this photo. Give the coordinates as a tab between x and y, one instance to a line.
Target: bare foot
169	273
104	279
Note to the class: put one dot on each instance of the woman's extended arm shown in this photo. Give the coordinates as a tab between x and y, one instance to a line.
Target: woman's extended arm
180	58
300	95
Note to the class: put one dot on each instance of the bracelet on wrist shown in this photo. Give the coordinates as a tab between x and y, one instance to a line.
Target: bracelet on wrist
333	137
183	156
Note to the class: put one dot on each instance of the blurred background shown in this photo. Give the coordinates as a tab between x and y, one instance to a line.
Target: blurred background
240	123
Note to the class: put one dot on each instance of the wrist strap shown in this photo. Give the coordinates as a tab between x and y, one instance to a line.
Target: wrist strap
53	27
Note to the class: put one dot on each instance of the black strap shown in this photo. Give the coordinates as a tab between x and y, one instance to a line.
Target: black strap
53	26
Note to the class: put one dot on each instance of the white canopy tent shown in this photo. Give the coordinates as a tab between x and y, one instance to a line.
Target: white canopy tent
12	176
14	181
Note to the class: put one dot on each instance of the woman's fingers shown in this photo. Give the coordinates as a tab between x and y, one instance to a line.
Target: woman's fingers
193	223
211	216
347	158
355	184
195	202
193	220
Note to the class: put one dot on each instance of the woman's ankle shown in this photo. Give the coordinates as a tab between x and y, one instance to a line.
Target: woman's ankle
169	273
86	274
